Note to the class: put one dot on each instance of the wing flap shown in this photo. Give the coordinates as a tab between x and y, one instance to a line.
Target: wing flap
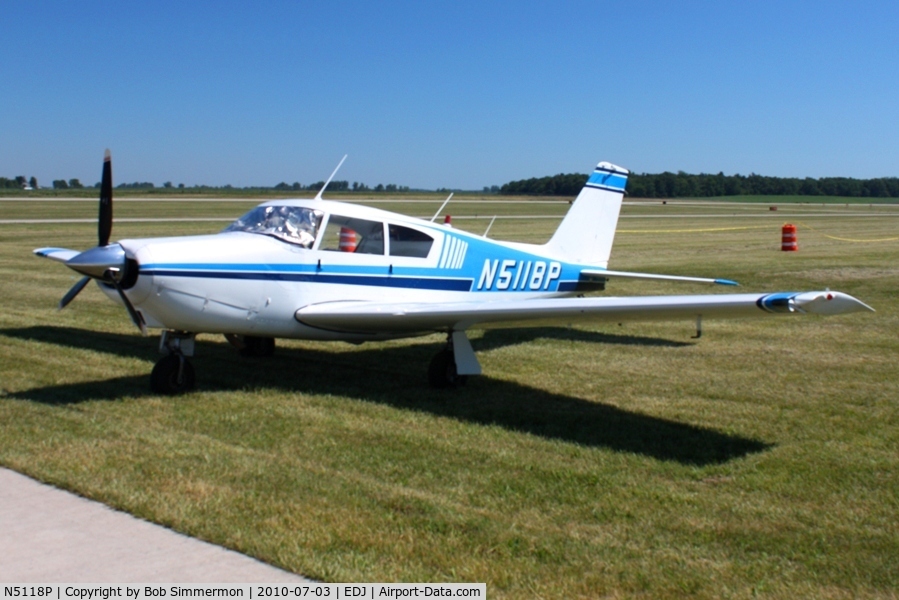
373	317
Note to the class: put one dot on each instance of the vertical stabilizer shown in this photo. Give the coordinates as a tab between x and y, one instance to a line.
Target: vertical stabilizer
586	233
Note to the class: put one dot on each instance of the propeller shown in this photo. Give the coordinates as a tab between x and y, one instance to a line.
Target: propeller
136	317
104	220
76	289
105	262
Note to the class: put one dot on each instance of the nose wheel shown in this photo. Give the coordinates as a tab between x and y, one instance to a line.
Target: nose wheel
173	375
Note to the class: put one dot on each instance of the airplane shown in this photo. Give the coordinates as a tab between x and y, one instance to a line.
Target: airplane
325	270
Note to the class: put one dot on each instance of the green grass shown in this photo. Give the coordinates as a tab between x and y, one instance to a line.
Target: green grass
484	209
611	461
763	199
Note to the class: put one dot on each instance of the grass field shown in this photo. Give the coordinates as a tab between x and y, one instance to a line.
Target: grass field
616	461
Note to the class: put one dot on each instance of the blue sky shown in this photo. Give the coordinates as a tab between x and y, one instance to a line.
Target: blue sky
446	94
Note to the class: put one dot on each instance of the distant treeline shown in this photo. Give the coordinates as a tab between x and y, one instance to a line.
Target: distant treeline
557	185
685	185
334	186
20	182
343	186
645	185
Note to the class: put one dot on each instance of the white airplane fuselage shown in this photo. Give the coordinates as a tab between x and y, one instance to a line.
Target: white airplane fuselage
252	284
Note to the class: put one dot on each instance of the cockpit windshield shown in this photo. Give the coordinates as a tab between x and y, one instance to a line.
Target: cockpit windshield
294	224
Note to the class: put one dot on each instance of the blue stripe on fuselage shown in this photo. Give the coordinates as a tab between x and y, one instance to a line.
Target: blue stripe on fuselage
393	281
483	267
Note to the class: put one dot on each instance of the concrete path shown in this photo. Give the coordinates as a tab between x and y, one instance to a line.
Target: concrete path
51	536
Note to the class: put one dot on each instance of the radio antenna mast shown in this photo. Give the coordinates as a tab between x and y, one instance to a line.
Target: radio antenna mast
318	196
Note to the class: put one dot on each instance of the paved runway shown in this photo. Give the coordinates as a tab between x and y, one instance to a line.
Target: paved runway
51	536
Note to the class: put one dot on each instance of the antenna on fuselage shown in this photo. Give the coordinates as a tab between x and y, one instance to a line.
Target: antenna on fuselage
318	196
439	210
489	226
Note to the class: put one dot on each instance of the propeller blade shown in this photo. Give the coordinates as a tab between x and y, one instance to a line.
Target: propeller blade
136	317
104	225
73	292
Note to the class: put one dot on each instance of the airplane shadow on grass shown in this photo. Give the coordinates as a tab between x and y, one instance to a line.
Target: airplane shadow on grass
395	376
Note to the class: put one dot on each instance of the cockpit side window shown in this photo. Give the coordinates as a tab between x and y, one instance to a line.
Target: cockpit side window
346	234
294	224
405	241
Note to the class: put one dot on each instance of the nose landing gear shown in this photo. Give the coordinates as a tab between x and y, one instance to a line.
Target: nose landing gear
173	373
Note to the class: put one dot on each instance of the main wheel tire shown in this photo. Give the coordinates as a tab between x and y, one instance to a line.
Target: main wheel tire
259	347
165	380
442	371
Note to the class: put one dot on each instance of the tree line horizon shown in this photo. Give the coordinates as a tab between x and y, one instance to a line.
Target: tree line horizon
639	185
20	181
703	185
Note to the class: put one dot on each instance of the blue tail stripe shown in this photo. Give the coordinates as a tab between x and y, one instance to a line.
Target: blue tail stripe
606	180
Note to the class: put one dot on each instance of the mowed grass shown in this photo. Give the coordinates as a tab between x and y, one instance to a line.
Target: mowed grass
619	461
482	209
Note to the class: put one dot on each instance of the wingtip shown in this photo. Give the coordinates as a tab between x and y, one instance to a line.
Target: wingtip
726	282
830	303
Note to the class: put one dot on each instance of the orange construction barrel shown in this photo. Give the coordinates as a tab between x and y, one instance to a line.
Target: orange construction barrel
347	240
788	242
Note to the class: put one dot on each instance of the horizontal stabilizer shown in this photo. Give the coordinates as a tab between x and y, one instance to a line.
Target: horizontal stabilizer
58	254
605	273
374	317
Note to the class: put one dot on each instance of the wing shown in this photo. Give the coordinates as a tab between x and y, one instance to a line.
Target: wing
373	317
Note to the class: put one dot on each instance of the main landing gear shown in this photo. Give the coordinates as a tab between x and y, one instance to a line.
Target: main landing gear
451	366
442	372
173	373
252	346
